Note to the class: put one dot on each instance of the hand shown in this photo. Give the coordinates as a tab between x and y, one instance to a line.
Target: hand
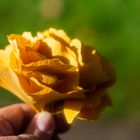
19	122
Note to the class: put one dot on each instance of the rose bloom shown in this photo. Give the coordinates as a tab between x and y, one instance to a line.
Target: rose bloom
55	73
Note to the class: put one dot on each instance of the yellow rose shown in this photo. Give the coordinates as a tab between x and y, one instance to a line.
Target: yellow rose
52	72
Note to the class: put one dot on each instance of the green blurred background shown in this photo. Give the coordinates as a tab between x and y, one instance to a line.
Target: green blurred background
112	26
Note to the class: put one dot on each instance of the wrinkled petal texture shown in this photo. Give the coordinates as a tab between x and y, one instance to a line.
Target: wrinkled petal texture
53	72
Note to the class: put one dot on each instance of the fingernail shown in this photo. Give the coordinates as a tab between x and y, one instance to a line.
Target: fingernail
45	122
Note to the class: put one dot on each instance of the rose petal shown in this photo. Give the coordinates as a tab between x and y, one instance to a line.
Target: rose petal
95	105
109	71
52	95
92	74
21	41
63	51
52	65
72	109
59	35
68	82
28	85
8	78
49	80
76	46
24	52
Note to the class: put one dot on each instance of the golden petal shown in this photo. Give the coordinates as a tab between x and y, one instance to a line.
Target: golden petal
95	105
43	49
87	53
28	85
110	72
28	36
23	54
59	35
8	78
58	50
68	82
76	46
72	109
97	70
22	43
14	63
52	65
92	74
52	95
44	78
30	56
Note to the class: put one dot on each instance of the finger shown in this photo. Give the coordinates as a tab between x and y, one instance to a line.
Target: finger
23	137
42	125
14	118
20	137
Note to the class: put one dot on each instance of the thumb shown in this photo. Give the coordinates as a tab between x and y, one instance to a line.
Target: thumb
42	126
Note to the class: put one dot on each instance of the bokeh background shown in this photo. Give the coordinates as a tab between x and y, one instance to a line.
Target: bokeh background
113	28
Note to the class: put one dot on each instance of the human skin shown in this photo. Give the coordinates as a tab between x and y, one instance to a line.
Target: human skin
19	122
